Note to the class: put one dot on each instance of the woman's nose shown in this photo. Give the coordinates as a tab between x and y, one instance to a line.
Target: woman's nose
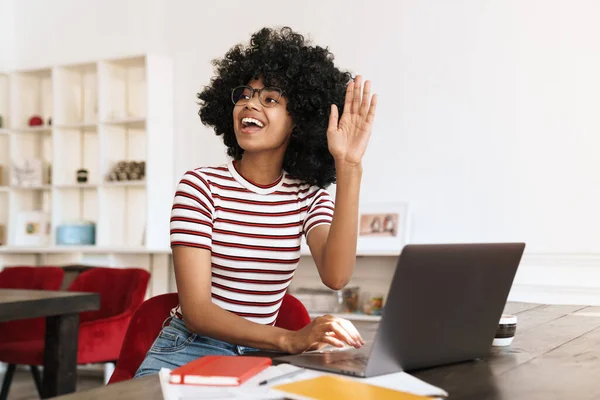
253	102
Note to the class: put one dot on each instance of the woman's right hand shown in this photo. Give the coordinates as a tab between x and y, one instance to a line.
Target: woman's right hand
323	330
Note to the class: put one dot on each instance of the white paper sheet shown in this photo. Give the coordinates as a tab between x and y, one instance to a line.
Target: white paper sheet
250	390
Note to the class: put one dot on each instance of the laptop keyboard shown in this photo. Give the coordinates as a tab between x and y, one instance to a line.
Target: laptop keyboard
350	361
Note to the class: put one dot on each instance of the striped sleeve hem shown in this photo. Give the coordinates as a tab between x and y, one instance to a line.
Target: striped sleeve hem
191	221
319	212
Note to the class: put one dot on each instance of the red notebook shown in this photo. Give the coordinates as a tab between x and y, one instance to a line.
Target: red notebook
219	370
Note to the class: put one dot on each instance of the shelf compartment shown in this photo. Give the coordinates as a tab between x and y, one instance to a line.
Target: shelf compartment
22	202
76	93
73	205
121	143
122	216
123	88
75	149
32	95
27	146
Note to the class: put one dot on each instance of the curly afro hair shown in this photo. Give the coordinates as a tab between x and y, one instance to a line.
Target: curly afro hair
311	84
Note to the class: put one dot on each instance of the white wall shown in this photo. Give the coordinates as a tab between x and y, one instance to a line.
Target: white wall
7	35
65	31
487	121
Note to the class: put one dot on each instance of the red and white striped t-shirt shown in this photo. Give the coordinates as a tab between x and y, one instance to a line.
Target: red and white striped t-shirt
253	231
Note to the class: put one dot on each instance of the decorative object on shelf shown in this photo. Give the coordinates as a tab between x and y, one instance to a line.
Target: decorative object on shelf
32	228
76	233
27	172
128	171
1	122
1	175
36	120
350	299
372	304
49	174
82	175
2	235
49	121
383	227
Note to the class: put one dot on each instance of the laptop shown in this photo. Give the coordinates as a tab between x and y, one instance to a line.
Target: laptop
444	305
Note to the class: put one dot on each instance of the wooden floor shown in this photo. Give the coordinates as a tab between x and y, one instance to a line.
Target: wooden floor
23	388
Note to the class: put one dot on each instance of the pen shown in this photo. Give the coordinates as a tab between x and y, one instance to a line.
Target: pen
284	376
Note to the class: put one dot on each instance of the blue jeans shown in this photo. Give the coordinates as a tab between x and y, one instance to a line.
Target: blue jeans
176	346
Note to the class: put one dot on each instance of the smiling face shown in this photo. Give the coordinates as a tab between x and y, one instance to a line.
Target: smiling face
260	128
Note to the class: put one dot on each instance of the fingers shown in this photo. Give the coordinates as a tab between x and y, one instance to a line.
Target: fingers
317	346
341	329
371	114
364	106
356	95
357	104
343	334
332	340
352	331
349	97
333	118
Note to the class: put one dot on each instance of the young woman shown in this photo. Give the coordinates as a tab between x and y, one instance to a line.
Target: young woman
293	124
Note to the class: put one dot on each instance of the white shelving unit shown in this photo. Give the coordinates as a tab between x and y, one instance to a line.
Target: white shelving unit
102	112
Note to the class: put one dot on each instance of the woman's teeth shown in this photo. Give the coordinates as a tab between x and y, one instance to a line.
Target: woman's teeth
250	121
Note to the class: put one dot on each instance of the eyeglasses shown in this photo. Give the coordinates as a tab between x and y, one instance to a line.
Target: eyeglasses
268	96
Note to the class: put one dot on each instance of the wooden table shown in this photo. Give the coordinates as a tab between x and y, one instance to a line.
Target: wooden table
61	310
555	355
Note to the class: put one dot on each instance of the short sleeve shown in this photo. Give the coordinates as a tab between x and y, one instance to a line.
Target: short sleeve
320	211
192	212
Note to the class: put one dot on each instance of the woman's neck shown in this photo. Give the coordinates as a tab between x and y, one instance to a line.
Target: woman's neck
261	170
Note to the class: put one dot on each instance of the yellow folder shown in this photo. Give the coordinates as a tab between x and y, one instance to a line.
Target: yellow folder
333	387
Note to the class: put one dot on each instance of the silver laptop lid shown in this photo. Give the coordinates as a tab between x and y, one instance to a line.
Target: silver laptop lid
443	305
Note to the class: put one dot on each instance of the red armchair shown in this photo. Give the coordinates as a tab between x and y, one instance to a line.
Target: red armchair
32	278
148	319
101	332
144	326
292	315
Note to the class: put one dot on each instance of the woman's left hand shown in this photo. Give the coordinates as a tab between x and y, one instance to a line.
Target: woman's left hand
348	138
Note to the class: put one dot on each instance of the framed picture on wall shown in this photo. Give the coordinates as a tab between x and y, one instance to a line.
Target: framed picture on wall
382	228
